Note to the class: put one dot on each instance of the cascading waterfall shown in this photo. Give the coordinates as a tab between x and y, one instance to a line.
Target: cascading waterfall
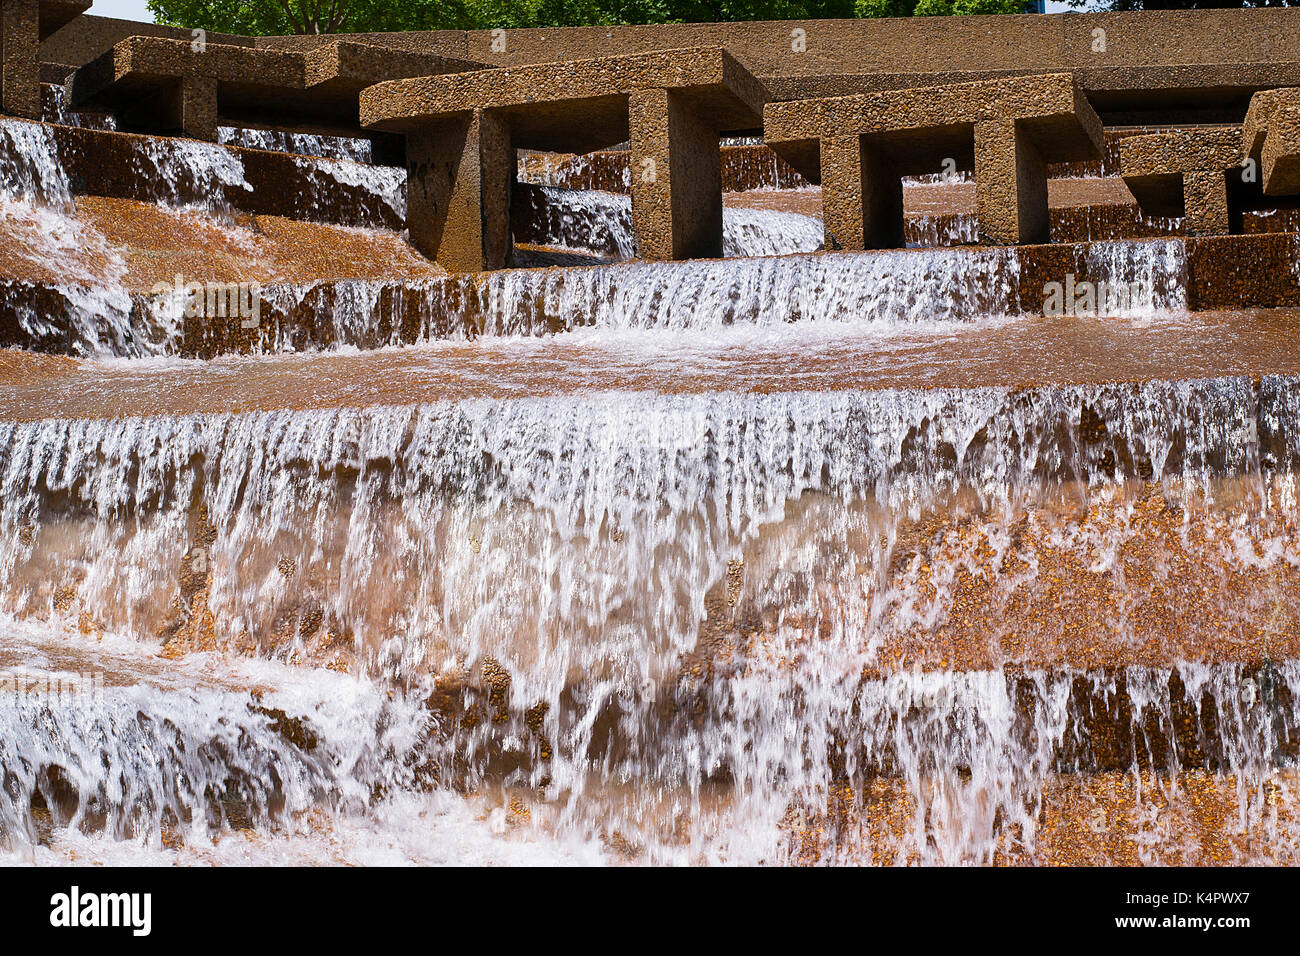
303	144
386	183
750	624
927	232
178	756
85	272
882	287
30	169
55	109
876	289
638	507
1156	280
602	222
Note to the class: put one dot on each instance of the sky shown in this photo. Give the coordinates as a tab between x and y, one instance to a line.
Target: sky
136	9
122	10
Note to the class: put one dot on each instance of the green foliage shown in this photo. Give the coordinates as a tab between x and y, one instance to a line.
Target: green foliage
278	17
942	8
884	8
270	17
935	8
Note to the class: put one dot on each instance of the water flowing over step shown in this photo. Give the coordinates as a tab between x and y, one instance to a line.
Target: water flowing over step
787	557
864	289
302	144
937	767
638	502
39	161
127	753
602	222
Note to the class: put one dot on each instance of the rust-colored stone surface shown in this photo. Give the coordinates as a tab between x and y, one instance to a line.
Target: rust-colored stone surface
1006	130
1194	173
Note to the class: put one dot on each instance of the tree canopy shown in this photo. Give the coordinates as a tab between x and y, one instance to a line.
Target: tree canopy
281	17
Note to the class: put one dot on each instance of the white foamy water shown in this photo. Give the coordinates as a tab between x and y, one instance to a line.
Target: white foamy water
219	761
620	626
602	222
382	186
572	543
303	144
30	170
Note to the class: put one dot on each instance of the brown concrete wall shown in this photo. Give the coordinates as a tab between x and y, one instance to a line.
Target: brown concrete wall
1182	36
921	44
87	37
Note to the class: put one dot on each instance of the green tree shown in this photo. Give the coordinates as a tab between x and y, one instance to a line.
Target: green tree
272	17
932	8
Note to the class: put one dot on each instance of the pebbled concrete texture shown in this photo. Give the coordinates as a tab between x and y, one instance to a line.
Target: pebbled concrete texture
1196	173
1006	130
671	106
1271	135
1209	92
158	84
23	25
1206	59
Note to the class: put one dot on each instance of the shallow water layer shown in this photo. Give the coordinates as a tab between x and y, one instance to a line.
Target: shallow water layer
830	356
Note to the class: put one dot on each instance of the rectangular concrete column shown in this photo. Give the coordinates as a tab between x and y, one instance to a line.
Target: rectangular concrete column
676	179
20	85
198	108
459	176
1280	155
1205	203
1010	184
862	196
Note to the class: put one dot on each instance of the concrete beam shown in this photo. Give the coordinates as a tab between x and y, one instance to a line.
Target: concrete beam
862	205
670	105
1007	130
1194	173
144	78
1271	138
23	25
20	91
1010	184
676	178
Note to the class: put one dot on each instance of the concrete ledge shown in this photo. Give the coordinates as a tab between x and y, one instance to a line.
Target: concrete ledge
588	97
1229	272
160	84
1271	138
1007	130
1222	272
1206	92
463	129
23	25
107	163
1189	173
